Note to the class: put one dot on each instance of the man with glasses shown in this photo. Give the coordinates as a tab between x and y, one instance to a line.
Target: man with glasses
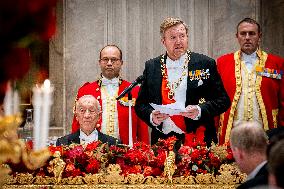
115	119
188	79
87	113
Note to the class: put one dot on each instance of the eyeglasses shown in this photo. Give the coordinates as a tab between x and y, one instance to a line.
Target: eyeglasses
92	112
112	60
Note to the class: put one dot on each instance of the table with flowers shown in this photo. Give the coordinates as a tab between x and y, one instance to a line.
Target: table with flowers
98	165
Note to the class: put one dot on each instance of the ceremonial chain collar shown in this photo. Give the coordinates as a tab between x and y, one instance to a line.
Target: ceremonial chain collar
101	76
172	86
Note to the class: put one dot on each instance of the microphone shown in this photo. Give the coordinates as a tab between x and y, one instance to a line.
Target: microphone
130	87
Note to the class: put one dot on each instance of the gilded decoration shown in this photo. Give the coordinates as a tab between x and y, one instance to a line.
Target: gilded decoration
97	165
237	94
228	177
275	117
110	110
16	151
262	59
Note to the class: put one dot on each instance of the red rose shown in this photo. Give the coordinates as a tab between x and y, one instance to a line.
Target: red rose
74	153
93	166
93	146
156	171
70	170
147	171
194	155
230	156
132	169
53	149
184	150
160	159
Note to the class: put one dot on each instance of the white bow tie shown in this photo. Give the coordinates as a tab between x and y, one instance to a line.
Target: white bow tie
106	82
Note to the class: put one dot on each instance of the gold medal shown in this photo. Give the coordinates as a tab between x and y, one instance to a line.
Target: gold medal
171	94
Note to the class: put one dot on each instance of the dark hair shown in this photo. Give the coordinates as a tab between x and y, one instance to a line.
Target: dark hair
111	46
251	21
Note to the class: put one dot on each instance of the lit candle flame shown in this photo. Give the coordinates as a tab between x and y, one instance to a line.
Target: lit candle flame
46	84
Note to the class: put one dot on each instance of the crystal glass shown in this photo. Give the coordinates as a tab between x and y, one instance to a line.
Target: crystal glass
29	125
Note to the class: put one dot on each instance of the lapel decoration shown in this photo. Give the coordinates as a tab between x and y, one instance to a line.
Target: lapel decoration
125	102
268	72
199	75
201	101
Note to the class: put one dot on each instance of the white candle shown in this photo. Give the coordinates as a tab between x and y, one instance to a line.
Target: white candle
37	103
45	114
16	102
8	101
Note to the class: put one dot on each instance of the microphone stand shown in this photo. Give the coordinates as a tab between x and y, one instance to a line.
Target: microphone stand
130	138
128	91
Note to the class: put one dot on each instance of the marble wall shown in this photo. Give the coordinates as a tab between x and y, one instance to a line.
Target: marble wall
85	26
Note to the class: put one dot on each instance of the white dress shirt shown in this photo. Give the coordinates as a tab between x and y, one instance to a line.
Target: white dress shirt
175	70
249	60
85	139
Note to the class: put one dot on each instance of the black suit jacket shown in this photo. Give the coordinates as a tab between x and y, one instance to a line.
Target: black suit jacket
260	179
212	90
74	138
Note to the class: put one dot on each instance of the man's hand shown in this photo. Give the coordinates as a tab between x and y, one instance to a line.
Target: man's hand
191	112
158	117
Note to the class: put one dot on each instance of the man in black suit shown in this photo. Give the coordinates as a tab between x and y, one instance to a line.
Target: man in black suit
183	77
87	112
249	143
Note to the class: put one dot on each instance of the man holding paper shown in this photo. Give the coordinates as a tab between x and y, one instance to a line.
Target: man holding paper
187	79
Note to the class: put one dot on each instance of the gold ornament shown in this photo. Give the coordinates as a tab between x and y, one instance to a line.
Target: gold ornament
172	86
56	166
14	149
170	165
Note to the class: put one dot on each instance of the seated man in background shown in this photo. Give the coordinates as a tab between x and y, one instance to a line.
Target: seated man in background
249	143
87	113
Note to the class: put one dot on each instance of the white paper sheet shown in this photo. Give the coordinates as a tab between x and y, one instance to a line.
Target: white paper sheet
171	109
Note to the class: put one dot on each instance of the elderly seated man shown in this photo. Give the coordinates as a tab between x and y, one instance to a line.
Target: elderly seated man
87	112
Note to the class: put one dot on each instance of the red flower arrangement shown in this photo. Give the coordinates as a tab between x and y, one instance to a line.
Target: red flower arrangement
193	159
196	157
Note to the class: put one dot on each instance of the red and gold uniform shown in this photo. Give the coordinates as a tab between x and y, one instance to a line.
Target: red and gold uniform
139	128
265	83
